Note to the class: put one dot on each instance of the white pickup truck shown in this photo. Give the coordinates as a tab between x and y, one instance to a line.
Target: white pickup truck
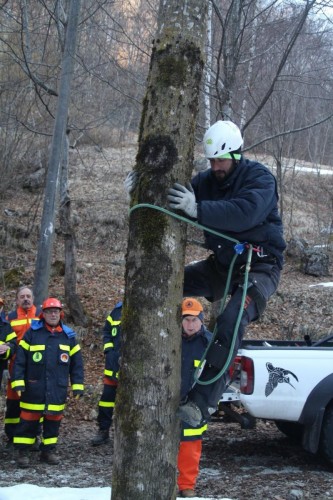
291	383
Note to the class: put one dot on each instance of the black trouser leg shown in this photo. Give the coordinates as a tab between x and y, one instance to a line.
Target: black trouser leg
12	416
106	406
51	426
220	355
26	432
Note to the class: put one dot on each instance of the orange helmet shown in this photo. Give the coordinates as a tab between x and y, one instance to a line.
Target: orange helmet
51	302
192	307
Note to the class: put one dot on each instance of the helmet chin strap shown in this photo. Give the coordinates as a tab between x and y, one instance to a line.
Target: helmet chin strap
235	156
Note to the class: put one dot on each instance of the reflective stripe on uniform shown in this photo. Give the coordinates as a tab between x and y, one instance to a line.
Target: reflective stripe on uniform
77	387
106	404
40	347
23	440
25	345
11	336
49	441
12	420
108	345
111	373
112	321
31	406
64	347
6	353
56	407
17	383
19	322
195	432
75	349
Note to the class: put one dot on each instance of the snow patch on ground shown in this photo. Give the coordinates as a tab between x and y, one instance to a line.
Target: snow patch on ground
32	492
329	284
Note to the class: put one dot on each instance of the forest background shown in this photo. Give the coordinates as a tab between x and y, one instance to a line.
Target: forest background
268	68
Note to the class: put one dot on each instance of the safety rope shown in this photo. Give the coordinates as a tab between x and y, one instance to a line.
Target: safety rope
239	248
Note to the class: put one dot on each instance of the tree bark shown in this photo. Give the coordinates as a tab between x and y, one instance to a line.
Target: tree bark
78	316
45	244
146	428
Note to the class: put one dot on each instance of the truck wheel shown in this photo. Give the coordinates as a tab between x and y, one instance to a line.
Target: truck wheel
292	430
326	437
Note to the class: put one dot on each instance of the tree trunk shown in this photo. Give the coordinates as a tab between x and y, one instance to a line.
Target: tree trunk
78	316
45	244
146	429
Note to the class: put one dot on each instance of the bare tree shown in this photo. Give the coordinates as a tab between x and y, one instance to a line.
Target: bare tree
73	301
146	428
45	246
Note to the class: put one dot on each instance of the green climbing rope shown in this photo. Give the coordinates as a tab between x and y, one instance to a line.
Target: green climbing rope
224	298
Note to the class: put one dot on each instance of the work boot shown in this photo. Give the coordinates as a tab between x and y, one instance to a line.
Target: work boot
190	413
49	457
35	446
23	460
101	437
187	494
9	444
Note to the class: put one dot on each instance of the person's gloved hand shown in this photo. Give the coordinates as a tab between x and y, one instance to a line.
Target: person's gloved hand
130	182
183	198
19	393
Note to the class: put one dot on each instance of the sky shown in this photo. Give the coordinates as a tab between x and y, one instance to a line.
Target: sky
32	492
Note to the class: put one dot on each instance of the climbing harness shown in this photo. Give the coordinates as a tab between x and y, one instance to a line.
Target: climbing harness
239	249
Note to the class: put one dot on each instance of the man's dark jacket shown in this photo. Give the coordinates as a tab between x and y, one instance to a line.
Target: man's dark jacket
247	211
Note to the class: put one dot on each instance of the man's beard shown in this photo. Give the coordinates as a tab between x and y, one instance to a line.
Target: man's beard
220	176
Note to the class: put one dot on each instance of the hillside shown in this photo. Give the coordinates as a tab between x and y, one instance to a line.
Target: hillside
100	213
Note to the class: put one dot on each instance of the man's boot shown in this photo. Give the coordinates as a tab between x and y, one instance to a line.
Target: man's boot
49	457
190	413
9	444
35	446
101	437
187	493
23	460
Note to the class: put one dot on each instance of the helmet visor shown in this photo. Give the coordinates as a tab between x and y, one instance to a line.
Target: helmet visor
229	156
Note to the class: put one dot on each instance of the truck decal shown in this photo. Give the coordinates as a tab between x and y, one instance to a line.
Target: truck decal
276	376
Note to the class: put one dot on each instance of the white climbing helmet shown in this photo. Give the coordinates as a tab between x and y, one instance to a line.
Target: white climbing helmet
221	139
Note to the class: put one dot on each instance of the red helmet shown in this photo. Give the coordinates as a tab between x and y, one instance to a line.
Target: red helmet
51	302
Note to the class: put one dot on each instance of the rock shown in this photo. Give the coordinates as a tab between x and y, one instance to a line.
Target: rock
13	278
296	247
35	180
58	268
315	262
295	495
12	213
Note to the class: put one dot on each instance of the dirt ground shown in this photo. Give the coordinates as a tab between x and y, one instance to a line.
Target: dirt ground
241	464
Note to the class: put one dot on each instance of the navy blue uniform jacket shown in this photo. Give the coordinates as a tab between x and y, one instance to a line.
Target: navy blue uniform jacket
192	351
45	361
111	341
